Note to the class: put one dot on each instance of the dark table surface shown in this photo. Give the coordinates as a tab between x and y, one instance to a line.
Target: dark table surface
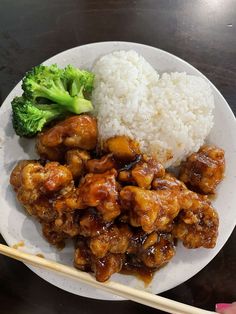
201	32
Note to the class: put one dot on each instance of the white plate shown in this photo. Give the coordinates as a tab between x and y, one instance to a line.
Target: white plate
15	226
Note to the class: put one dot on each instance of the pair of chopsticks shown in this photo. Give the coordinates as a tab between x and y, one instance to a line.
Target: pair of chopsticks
126	292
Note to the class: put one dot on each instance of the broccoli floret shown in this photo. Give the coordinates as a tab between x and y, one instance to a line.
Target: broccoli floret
29	118
64	87
78	80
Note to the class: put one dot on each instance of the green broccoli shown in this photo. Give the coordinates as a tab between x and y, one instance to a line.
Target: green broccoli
65	87
78	80
28	118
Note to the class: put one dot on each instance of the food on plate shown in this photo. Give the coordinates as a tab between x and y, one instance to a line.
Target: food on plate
169	116
77	159
142	172
101	190
107	162
122	147
28	118
204	170
104	180
125	214
74	132
198	225
50	93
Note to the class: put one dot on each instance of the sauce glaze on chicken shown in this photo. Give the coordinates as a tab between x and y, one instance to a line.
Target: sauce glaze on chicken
124	211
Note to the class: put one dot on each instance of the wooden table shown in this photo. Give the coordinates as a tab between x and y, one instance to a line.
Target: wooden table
201	32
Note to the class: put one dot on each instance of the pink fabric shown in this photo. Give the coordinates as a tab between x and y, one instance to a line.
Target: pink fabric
226	308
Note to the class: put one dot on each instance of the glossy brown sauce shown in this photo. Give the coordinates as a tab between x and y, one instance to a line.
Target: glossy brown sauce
143	273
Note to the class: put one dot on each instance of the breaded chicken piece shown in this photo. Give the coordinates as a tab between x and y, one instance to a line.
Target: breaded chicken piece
114	239
31	180
100	190
39	189
175	187
106	266
146	170
122	147
197	223
76	159
15	177
143	172
151	250
107	162
197	226
74	132
103	267
152	210
204	170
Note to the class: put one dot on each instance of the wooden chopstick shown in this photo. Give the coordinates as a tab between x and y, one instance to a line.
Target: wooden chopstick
126	292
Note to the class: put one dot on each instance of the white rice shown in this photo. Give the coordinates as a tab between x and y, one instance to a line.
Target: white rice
169	116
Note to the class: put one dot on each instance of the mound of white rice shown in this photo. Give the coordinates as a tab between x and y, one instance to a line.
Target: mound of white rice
169	116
